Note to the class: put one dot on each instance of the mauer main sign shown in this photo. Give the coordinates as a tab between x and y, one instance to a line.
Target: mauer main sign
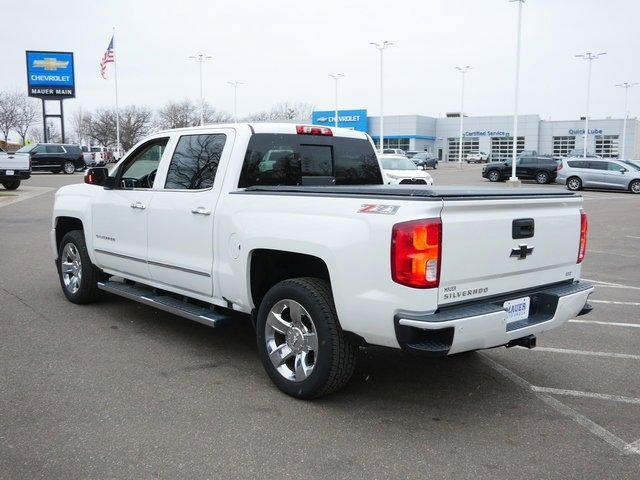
50	75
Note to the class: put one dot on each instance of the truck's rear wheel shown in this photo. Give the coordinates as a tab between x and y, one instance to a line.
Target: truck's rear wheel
78	275
11	184
300	342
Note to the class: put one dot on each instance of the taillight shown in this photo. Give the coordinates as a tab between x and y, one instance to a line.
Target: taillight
312	130
584	227
416	249
559	166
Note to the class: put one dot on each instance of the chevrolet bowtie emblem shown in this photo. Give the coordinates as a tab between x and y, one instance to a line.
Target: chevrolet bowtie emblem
50	63
521	252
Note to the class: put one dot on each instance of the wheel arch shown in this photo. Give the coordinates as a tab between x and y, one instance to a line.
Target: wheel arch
632	182
66	224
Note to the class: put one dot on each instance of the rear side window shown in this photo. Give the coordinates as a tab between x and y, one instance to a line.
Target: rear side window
286	159
195	162
598	165
528	161
54	149
73	149
577	164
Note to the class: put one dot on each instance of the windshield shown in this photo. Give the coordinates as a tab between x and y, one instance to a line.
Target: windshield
398	164
26	148
633	165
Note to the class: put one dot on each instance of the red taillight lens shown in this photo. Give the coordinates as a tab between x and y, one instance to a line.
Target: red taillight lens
311	130
416	249
584	227
559	166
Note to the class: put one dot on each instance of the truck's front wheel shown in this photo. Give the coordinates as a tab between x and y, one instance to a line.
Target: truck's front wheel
301	344
78	276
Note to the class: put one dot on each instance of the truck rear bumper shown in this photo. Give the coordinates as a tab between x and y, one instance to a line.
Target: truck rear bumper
17	175
484	324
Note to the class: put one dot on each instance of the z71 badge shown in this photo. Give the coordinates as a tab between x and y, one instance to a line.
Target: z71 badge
380	209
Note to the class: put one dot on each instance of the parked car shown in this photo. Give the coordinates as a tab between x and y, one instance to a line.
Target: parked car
599	173
55	157
579	153
425	160
540	169
399	170
477	157
321	271
394	151
411	153
14	167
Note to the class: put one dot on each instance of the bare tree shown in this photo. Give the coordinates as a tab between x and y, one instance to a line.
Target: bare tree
81	122
284	111
101	127
178	115
27	114
135	123
9	102
211	115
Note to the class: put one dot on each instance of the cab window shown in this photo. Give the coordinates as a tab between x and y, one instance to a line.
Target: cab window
139	171
195	162
54	149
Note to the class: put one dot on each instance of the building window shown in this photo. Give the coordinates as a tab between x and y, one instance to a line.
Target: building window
607	146
563	145
469	145
401	143
502	148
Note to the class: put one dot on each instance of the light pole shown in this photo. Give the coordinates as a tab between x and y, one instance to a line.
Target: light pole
381	47
463	71
590	57
235	86
336	77
626	86
201	58
513	180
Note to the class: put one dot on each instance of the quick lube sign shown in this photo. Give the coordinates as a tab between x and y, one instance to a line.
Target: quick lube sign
353	119
50	74
580	131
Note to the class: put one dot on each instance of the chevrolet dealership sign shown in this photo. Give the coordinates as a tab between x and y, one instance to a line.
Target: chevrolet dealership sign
352	119
50	75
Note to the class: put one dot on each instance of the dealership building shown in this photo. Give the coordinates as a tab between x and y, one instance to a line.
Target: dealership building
491	134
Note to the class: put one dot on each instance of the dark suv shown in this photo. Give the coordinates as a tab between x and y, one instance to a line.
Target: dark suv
540	169
55	157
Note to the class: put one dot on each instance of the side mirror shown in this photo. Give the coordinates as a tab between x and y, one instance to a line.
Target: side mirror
623	170
97	176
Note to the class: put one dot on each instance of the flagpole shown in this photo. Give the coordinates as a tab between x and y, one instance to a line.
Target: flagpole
115	71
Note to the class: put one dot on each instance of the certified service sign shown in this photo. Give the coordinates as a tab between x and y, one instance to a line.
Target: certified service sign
50	75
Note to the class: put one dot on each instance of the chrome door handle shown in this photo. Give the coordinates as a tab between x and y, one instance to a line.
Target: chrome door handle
138	205
201	211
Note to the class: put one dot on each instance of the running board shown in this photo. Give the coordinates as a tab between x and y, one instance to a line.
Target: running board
161	301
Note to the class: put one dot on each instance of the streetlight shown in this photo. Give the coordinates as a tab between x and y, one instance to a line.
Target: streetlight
235	86
463	71
336	77
590	57
201	58
626	86
381	47
513	180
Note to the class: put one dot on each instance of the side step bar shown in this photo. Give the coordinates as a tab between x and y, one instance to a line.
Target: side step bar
161	301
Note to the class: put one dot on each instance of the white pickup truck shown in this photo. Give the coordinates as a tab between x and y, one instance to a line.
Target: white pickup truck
292	225
14	167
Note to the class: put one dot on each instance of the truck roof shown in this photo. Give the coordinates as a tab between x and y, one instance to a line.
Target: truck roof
275	127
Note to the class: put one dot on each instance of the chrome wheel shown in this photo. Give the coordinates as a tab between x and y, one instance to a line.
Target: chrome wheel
69	168
542	178
494	176
574	184
635	187
71	267
291	340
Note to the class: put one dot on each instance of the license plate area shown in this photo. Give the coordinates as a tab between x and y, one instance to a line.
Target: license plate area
517	309
9	173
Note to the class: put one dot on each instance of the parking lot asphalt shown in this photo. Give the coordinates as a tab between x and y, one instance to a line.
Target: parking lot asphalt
120	390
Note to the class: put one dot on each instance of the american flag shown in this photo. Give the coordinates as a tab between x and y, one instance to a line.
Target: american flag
108	57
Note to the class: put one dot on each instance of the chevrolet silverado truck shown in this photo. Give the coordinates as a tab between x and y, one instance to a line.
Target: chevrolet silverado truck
14	167
292	226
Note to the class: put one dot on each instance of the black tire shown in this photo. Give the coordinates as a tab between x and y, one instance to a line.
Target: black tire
68	168
494	176
87	291
542	178
634	187
11	184
435	165
336	357
574	184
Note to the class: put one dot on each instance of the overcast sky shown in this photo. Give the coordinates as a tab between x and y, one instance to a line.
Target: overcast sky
284	50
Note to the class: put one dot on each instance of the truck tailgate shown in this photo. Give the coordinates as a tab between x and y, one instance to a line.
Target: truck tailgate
14	161
481	257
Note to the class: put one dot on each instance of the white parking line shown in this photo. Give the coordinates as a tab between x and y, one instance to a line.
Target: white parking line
610	285
634	447
626	356
632	236
612	253
612	302
612	324
567	411
577	393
